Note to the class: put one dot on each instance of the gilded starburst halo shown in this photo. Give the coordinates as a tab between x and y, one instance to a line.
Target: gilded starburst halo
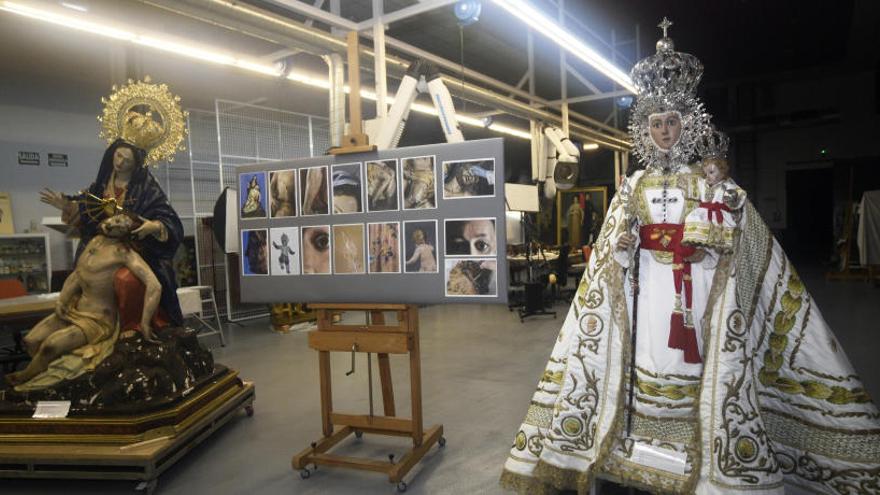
145	115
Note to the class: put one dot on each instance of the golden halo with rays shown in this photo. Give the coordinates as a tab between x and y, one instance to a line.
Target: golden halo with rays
145	115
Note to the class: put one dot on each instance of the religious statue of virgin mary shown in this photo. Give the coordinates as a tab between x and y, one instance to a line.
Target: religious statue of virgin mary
692	359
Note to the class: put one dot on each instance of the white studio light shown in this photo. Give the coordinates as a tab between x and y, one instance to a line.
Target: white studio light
66	21
590	146
75	6
186	49
536	19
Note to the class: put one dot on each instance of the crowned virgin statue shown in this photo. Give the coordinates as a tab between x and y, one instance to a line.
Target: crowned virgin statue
692	359
118	314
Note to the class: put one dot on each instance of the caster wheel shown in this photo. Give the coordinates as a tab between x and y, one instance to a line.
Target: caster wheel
401	487
304	473
441	442
358	434
249	410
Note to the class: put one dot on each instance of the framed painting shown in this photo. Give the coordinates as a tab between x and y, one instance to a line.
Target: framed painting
579	214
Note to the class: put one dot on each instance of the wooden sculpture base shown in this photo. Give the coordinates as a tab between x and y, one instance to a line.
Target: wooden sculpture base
136	447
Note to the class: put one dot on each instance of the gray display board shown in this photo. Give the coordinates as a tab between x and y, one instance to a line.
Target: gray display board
307	237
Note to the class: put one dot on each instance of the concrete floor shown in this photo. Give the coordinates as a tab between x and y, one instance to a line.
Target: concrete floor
479	369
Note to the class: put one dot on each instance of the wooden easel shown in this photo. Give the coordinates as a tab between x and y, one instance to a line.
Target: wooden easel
373	337
355	141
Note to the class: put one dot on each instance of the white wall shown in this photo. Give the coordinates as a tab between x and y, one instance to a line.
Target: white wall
45	131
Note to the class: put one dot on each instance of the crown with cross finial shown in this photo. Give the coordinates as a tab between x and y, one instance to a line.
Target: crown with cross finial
667	72
713	143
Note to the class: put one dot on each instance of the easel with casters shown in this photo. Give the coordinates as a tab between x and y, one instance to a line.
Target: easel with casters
373	337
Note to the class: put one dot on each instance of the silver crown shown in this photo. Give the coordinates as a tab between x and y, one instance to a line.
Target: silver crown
713	144
667	72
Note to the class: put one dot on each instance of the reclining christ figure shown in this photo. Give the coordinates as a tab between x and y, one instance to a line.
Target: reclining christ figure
84	326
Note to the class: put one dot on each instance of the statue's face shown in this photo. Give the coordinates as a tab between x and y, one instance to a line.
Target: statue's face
116	226
665	129
715	170
123	160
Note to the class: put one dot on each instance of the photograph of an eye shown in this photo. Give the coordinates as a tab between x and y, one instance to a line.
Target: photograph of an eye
471	237
384	242
316	250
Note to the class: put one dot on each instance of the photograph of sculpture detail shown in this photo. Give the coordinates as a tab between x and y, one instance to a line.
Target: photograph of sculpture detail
347	188
255	252
349	249
252	188
284	250
469	178
471	237
314	191
420	251
382	192
384	247
282	193
316	250
419	183
471	277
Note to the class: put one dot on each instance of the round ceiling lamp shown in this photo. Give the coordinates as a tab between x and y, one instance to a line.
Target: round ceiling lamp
468	11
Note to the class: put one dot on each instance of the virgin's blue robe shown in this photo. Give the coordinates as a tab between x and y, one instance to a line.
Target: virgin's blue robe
143	197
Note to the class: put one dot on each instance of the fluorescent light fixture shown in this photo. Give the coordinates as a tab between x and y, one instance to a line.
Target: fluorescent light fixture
186	49
74	6
67	21
538	21
590	146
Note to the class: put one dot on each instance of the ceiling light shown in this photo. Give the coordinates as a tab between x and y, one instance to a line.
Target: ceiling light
205	54
590	146
536	19
67	21
73	6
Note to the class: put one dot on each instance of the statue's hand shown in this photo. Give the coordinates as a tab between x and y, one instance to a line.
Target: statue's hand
626	242
697	257
53	198
149	227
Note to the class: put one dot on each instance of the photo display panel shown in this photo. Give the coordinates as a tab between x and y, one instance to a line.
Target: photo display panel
417	225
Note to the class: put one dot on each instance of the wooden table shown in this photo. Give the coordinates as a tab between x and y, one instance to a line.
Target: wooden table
18	314
27	306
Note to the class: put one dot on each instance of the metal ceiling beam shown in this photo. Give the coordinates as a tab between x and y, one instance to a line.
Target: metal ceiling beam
317	14
456	68
596	97
261	24
404	13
